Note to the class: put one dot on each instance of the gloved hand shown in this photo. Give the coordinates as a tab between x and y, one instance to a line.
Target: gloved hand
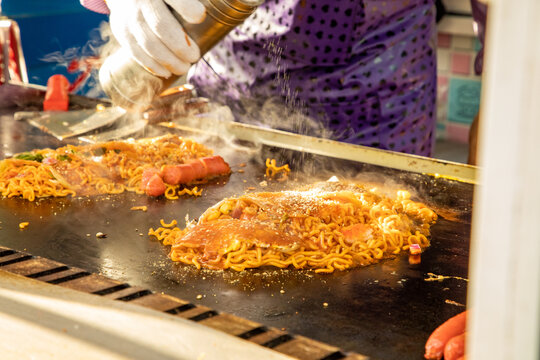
151	34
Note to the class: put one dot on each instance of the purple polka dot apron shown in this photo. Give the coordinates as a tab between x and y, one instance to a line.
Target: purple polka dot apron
358	71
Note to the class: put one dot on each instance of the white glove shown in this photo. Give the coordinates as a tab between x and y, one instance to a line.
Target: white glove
151	34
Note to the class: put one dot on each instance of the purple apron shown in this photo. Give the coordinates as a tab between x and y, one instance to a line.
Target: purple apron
358	71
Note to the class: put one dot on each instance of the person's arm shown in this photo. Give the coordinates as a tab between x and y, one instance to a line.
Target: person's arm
479	11
473	141
150	33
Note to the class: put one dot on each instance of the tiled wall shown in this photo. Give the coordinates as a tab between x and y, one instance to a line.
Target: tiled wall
458	88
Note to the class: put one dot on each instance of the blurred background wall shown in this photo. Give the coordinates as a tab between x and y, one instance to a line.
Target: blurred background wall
53	32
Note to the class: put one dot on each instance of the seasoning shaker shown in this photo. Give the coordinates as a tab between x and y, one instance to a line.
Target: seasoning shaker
132	87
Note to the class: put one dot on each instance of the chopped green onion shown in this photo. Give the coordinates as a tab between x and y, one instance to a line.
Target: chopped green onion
63	157
30	157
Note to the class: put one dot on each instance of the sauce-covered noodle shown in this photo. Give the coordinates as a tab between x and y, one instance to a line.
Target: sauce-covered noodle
105	168
324	227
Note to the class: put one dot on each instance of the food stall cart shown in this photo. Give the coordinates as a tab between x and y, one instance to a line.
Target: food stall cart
384	311
296	312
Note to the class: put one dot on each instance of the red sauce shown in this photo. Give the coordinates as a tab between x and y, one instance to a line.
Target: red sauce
213	237
219	234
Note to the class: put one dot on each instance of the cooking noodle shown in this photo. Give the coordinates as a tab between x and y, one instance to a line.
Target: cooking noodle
326	226
272	169
105	168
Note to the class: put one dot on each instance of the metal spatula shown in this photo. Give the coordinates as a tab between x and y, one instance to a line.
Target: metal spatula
67	124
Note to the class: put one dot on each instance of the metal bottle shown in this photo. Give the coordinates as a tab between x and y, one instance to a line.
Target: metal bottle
12	64
132	87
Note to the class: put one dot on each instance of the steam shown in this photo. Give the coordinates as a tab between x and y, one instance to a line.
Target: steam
284	110
79	59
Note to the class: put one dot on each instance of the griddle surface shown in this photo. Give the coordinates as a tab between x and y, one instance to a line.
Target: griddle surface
385	311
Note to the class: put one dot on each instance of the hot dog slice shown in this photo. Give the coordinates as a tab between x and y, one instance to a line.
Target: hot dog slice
199	168
437	341
155	186
178	174
215	165
357	231
186	173
146	176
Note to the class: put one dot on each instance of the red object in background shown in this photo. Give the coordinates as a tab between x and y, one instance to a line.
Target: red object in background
85	66
57	95
12	64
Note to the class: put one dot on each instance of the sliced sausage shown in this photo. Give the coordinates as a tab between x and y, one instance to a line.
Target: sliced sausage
236	212
147	175
178	174
199	168
215	165
186	173
155	186
171	174
357	232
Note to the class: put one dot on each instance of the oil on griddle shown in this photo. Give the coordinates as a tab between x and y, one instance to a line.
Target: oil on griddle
384	311
380	311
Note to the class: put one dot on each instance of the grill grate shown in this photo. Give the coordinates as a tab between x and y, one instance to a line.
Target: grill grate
47	272
63	275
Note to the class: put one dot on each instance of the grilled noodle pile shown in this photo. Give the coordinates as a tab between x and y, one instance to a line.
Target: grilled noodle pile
325	226
105	168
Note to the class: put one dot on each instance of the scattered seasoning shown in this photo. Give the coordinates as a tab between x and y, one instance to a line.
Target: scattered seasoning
242	165
435	277
199	297
101	235
451	302
282	291
325	304
23	225
251	188
141	208
263	183
241	171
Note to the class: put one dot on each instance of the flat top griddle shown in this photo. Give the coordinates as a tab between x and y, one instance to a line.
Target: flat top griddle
384	311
